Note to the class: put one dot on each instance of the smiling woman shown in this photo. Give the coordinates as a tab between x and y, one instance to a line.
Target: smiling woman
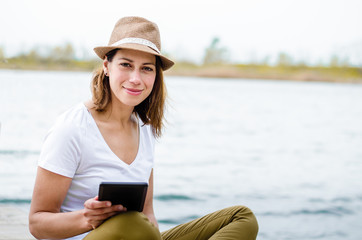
111	138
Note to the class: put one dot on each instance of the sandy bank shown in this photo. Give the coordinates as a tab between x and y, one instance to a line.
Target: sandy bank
14	223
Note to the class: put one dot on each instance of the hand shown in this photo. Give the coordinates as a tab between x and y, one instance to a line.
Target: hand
96	211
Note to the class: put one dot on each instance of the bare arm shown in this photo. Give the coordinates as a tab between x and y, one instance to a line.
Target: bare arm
148	208
45	218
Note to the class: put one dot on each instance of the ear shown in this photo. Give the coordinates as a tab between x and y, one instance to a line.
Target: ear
105	66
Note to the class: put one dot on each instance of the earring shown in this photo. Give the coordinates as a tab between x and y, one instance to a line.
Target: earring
105	73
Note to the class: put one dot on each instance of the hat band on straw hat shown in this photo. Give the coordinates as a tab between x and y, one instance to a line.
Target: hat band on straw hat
138	34
137	41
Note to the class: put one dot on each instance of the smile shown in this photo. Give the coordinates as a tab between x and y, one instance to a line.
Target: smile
133	91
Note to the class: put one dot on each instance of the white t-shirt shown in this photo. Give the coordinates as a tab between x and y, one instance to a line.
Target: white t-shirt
75	148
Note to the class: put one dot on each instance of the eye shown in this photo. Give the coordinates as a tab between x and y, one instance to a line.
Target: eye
125	64
148	69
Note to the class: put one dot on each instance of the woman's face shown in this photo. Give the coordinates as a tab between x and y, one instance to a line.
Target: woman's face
131	76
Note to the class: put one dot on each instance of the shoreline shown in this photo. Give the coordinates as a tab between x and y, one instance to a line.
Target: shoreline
265	72
257	72
14	222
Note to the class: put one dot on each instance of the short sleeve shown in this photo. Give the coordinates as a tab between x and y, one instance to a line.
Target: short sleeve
61	151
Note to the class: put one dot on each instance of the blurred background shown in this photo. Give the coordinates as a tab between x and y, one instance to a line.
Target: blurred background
302	40
264	105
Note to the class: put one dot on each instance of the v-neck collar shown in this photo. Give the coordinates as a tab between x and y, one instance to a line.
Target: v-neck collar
100	136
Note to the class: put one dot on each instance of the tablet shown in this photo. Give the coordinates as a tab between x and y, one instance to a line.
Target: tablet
131	195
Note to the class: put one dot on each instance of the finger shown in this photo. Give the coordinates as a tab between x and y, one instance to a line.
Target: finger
93	212
119	208
94	204
93	220
100	211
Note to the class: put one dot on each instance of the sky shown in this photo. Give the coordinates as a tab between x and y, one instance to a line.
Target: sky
256	30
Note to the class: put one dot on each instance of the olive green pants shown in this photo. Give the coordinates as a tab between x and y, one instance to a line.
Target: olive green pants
234	223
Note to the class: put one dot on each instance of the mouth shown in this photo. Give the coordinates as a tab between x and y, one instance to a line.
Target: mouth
133	91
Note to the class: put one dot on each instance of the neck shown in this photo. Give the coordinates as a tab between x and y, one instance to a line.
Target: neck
114	112
119	112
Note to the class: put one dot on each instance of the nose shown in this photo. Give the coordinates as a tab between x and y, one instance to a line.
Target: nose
135	77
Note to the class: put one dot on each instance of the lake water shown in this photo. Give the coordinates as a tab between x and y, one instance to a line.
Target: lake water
291	151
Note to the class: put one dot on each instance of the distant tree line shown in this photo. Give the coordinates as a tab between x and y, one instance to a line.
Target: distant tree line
58	57
216	54
64	57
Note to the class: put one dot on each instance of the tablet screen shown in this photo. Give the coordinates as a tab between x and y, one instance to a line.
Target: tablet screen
131	195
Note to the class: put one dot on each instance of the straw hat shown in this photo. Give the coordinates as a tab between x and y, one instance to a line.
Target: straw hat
138	34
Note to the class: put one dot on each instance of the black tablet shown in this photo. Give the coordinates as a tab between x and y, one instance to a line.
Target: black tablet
131	195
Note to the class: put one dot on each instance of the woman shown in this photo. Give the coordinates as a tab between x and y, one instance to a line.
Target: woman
111	138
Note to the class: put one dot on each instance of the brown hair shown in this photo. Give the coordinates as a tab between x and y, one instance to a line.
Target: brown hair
151	110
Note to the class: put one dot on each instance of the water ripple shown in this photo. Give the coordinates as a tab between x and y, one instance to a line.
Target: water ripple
337	211
15	201
178	220
334	211
174	197
18	152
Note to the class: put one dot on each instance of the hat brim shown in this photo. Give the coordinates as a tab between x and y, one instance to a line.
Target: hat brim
102	51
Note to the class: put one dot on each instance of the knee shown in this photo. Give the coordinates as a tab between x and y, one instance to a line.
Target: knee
127	226
245	215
